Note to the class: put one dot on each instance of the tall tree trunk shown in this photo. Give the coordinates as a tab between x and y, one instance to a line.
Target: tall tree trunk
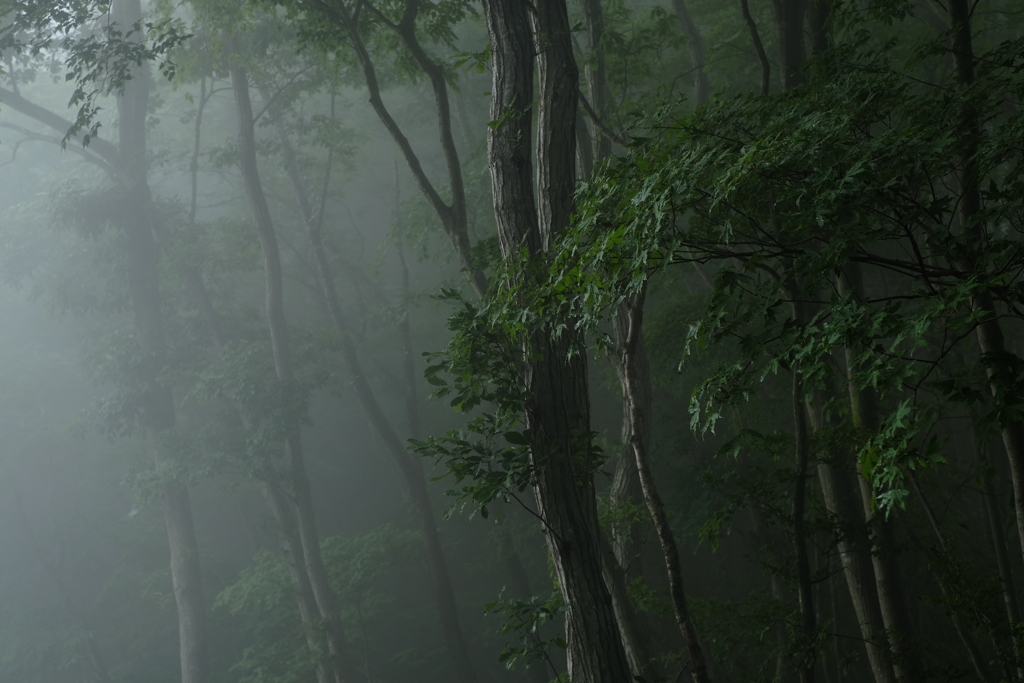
283	365
596	72
275	498
842	500
789	31
656	507
755	39
808	618
695	44
157	401
557	410
635	634
411	466
884	554
453	215
622	559
978	660
997	535
991	340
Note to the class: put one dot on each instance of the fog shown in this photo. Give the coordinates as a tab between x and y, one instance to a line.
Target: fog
340	342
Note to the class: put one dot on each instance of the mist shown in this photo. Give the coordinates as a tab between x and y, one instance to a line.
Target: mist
588	341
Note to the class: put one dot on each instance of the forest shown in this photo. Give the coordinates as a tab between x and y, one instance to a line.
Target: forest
540	341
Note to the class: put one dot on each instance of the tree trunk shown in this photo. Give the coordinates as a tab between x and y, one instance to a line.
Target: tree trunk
975	655
557	410
991	340
410	465
808	619
283	365
624	563
657	507
842	500
632	627
157	401
997	535
755	39
695	43
789	31
596	73
884	554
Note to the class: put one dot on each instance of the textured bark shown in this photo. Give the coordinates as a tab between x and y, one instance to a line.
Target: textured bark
157	401
283	365
695	44
557	410
596	72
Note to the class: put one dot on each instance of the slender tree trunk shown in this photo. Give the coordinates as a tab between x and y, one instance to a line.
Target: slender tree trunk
973	652
557	410
657	509
808	618
410	465
695	44
622	559
635	637
884	554
274	497
842	500
755	38
157	402
991	340
997	534
283	366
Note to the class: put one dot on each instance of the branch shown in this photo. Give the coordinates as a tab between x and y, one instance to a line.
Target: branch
57	123
601	125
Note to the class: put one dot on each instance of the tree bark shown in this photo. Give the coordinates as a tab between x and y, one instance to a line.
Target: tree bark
991	340
157	401
695	44
755	38
842	500
808	618
596	73
633	629
789	31
557	410
884	554
657	508
283	365
453	216
411	466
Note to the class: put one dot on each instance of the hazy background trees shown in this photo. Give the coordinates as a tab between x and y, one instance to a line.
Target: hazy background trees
725	297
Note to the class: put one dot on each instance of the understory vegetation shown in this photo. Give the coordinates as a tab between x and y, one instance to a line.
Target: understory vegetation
587	341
